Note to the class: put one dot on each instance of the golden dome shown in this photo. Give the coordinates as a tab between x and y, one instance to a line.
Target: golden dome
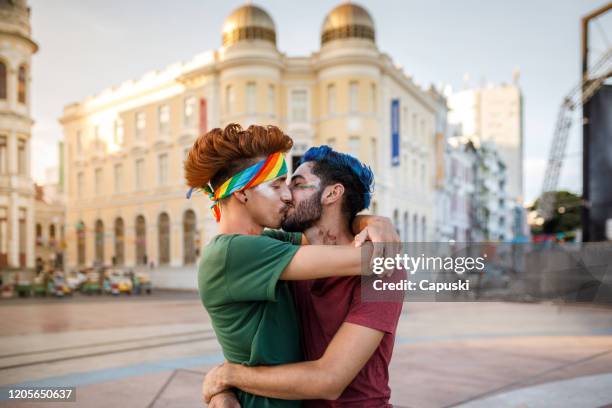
248	22
348	20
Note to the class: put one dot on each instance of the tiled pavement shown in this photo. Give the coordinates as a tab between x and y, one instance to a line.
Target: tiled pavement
153	352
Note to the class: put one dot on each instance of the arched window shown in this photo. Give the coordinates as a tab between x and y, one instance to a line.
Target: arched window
3	80
99	240
415	228
21	84
141	241
189	229
80	232
52	235
163	233
38	234
119	242
406	229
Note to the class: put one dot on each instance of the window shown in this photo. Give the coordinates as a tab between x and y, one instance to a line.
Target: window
98	180
229	99
354	146
139	174
80	184
119	131
189	111
396	219
21	84
299	112
97	136
141	241
23	236
406	229
353	96
414	126
2	80
39	237
331	99
3	155
3	236
271	99
373	99
80	231
118	177
373	152
162	169
423	229
163	236
415	228
189	237
119	242
99	242
164	119
141	123
251	97
79	142
21	157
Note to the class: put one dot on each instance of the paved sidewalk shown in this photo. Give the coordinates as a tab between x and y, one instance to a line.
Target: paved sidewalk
153	352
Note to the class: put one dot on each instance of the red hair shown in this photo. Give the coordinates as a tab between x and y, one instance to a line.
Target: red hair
220	153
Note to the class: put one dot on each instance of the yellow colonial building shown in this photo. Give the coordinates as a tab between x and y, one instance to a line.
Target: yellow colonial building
125	146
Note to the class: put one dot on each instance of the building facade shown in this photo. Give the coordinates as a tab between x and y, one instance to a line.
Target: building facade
16	185
125	147
494	113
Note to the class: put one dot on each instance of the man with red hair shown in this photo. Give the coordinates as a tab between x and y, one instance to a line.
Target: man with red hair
242	271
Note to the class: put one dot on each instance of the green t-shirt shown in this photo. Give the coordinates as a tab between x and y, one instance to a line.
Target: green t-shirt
252	312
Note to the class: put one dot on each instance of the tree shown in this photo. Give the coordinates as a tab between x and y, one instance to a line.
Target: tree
566	217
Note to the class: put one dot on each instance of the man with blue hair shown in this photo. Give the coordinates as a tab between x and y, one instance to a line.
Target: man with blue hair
347	342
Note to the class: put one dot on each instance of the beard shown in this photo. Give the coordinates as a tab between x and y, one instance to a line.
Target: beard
305	214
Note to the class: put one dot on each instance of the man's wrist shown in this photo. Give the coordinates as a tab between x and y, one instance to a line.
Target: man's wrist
228	379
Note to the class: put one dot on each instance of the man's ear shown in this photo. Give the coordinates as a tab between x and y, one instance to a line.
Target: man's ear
241	196
332	194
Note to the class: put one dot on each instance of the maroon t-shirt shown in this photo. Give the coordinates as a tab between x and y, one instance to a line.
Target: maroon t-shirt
323	305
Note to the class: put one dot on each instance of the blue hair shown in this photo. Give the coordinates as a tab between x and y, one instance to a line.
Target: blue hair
332	166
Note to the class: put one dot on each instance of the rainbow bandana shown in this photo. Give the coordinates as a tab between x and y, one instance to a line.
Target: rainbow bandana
272	167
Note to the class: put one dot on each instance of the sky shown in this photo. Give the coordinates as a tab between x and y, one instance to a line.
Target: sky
87	46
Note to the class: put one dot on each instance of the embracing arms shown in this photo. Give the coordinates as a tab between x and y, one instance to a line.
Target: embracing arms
325	378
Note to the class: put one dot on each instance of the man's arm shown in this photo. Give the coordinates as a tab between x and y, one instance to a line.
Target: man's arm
324	261
225	399
325	378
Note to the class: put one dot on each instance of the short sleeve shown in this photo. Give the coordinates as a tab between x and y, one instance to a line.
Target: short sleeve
294	238
382	316
254	264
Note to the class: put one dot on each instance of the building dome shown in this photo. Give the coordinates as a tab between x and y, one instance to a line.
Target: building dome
348	20
248	22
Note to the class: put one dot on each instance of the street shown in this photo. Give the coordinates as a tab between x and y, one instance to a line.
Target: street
152	351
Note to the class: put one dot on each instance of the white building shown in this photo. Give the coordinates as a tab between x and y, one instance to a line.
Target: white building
492	220
16	184
494	113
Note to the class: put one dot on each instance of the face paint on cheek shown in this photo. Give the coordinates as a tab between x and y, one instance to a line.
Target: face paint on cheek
266	190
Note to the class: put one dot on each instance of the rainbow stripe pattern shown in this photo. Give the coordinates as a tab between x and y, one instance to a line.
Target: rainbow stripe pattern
272	167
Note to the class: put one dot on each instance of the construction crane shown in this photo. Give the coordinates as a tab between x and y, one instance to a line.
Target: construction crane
575	99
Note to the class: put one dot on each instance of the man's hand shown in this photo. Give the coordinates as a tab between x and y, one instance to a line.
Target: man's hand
214	383
382	232
225	399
